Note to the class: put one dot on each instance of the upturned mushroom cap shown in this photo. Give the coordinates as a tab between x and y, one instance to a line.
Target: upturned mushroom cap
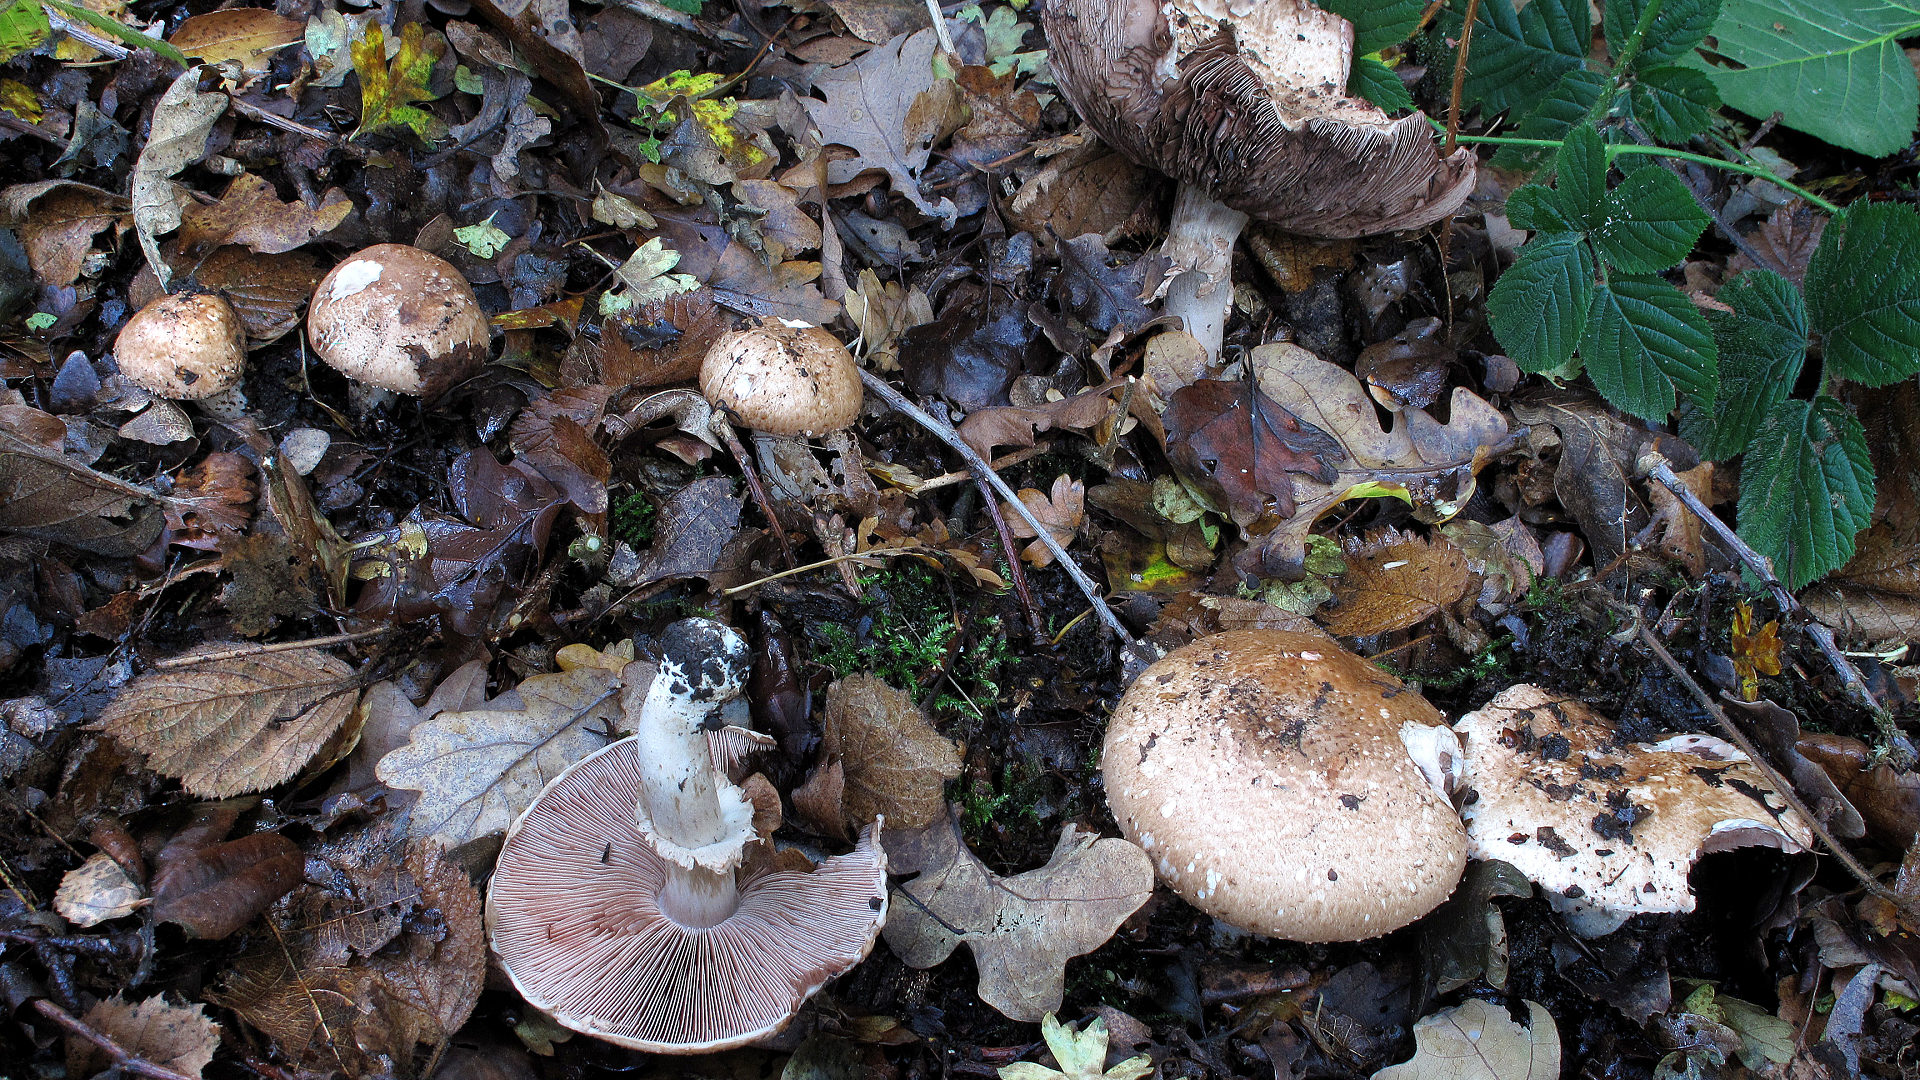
1264	772
1252	108
185	347
1608	830
573	914
399	318
783	378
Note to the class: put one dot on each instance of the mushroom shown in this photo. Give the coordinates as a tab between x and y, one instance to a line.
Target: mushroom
1606	829
396	319
190	346
1268	775
621	904
783	378
1249	113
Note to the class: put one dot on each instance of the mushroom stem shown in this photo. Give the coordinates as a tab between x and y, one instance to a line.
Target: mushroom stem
1200	240
693	816
698	898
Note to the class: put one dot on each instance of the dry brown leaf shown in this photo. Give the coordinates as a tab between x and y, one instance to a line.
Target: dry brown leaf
820	802
659	342
249	214
45	494
233	725
182	120
1062	511
1863	615
879	105
1089	189
1393	581
56	221
212	886
1022	929
895	763
178	1037
1681	536
1476	1040
1018	425
97	890
249	35
212	498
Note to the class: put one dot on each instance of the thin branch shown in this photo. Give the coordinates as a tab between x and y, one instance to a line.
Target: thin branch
661	13
218	655
123	1059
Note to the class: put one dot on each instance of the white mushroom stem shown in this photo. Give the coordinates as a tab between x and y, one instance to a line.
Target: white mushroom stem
1200	241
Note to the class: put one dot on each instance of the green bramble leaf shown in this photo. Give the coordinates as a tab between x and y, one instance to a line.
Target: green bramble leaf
23	27
390	91
1673	103
1650	222
1645	340
1564	106
1677	28
1519	56
1762	345
1580	176
1378	24
1539	307
1377	82
1538	208
1863	293
1806	488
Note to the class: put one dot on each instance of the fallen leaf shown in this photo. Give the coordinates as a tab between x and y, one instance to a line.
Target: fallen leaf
267	291
1479	1041
46	494
1233	439
820	803
1598	452
1104	297
658	343
882	311
875	105
646	279
97	890
250	35
1090	189
241	723
56	221
696	523
553	434
1022	929
1019	425
212	498
895	764
1394	580
1081	1055
181	1038
251	215
212	886
391	89
182	120
1062	511
1888	801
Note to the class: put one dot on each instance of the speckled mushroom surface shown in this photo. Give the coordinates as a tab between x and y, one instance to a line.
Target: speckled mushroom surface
185	347
783	379
399	318
1265	774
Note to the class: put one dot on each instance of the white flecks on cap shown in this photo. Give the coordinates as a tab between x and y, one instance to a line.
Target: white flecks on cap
354	276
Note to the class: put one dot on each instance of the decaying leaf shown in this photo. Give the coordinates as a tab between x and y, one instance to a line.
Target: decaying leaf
56	221
97	890
46	494
212	886
893	761
251	215
883	106
1022	929
391	89
476	770
1393	581
1017	425
1061	511
241	723
1476	1040
646	279
1234	440
1082	1055
181	123
182	1038
249	35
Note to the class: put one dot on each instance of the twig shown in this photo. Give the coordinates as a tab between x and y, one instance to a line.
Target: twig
1014	569
759	492
254	112
859	557
943	431
216	656
1460	77
123	1059
940	28
85	35
661	13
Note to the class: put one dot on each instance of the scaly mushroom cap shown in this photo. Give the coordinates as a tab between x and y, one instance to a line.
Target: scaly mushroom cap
185	347
400	319
1265	773
1253	109
783	379
1608	830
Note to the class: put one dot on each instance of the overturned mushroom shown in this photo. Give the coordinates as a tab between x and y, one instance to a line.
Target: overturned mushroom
620	904
1245	104
398	320
1606	829
1270	777
190	346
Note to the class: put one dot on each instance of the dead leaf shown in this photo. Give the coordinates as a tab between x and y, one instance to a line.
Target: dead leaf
1081	1055
392	87
1479	1041
1863	615
659	343
1062	512
250	35
1888	801
237	724
56	221
267	291
251	215
554	434
1019	425
182	120
1090	189
895	763
212	886
1394	580
182	1038
820	803
46	494
1232	438
1022	929
97	890
882	312
1682	537
1598	452
696	523
213	498
1788	238
875	105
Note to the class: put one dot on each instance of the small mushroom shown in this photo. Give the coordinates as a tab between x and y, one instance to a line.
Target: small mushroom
397	319
783	378
1245	105
622	905
1608	830
190	346
1268	775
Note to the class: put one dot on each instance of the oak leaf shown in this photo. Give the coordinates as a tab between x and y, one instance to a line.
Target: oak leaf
1478	1041
1061	511
1082	1055
885	105
391	90
894	762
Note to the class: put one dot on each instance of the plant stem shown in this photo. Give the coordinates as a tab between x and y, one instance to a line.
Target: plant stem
1623	63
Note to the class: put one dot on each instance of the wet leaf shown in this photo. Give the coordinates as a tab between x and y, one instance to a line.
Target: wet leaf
250	35
1082	1055
553	434
251	215
696	523
1395	580
235	724
44	493
1479	1041
391	90
182	1038
212	886
56	222
1233	438
894	762
646	279
97	890
1022	929
1020	425
882	106
212	498
23	26
182	121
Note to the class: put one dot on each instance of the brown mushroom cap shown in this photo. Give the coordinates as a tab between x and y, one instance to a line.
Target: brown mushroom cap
399	318
783	379
187	346
1264	772
573	913
1253	109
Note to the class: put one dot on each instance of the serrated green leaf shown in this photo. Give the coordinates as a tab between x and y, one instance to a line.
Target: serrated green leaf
1806	489
1539	307
390	91
1650	222
1673	103
23	26
1762	345
1378	24
1564	106
1580	176
1376	82
1677	28
1832	68
1645	340
1863	293
1518	57
1537	208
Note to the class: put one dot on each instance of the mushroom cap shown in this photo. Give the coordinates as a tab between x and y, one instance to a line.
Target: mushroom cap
1608	830
573	914
1264	773
1253	109
399	318
186	346
783	378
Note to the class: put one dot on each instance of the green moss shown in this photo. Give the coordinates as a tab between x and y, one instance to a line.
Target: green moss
909	639
633	519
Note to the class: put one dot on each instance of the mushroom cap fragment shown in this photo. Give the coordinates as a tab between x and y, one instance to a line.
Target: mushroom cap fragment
1606	829
1253	109
573	914
783	379
1264	772
401	319
183	347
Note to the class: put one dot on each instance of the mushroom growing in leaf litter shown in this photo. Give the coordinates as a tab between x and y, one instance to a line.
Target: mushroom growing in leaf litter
783	378
1286	786
398	320
1245	105
190	346
621	906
